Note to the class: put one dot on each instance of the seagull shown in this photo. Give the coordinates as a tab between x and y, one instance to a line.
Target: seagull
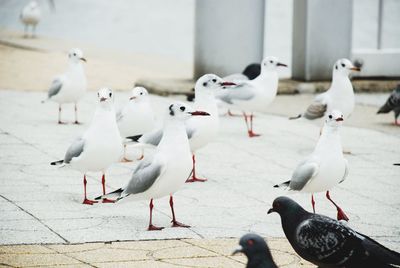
200	130
392	104
30	16
165	172
136	117
254	95
256	250
325	167
70	86
326	242
340	95
99	147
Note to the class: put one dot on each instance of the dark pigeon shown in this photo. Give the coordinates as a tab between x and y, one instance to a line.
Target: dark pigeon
256	251
392	104
327	242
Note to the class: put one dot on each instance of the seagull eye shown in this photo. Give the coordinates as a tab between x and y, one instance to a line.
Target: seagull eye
271	61
204	84
343	65
330	116
74	54
214	80
141	93
182	108
336	67
110	94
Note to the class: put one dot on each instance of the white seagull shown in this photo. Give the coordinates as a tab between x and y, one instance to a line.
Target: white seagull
254	95
339	96
200	130
30	16
325	167
70	86
167	170
100	146
137	116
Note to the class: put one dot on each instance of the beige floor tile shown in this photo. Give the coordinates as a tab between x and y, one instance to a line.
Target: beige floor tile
24	260
206	262
109	255
25	249
182	252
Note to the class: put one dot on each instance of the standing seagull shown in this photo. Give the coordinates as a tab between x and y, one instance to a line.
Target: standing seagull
137	116
256	250
340	95
100	146
30	16
70	86
165	172
200	130
327	242
392	104
254	95
325	167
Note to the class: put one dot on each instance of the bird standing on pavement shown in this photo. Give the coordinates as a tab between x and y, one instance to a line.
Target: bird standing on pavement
70	86
30	16
137	117
165	172
256	250
326	242
99	147
254	95
392	104
340	95
325	167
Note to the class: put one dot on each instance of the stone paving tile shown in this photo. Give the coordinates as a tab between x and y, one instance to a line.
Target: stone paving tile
26	260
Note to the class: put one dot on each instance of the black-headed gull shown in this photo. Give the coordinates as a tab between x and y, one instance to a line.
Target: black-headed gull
339	96
325	167
167	170
70	86
100	145
254	95
392	104
30	16
137	116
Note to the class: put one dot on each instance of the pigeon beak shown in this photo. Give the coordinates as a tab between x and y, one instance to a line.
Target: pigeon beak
281	64
199	113
357	69
103	99
226	83
132	98
83	59
270	211
238	250
339	119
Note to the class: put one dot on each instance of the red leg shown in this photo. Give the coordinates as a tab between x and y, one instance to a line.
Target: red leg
251	133
151	226
76	115
103	182
86	201
231	114
340	214
194	178
59	115
125	160
313	203
175	223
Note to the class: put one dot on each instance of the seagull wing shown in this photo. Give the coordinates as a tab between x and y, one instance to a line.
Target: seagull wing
55	87
241	92
346	170
152	138
303	173
75	150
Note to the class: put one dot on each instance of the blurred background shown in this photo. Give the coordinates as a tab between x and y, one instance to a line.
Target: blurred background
127	40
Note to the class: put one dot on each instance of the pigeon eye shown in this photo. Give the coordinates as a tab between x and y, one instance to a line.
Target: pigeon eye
343	65
330	116
250	242
182	108
214	80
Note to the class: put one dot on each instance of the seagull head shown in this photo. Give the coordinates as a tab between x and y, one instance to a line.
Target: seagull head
75	55
105	96
271	63
334	119
138	94
182	111
344	67
209	83
252	245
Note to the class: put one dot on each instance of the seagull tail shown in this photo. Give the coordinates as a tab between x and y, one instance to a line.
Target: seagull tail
134	138
295	117
284	184
58	163
396	164
115	195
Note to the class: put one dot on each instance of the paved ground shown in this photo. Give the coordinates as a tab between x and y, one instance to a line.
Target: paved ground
40	204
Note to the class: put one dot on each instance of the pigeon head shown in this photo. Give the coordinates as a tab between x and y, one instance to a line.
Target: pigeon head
105	96
271	63
285	206
256	250
334	119
211	82
138	94
182	111
75	55
344	67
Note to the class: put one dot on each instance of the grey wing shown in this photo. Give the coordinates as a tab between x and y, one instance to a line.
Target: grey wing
75	150
241	92
55	88
143	177
315	110
152	138
190	132
303	173
119	116
346	170
392	103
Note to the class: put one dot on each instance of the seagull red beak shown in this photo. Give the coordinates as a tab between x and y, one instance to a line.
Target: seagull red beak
83	59
103	99
339	119
357	69
227	84
199	113
281	64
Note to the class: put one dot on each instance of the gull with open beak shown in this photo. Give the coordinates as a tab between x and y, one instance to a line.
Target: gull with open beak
70	86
